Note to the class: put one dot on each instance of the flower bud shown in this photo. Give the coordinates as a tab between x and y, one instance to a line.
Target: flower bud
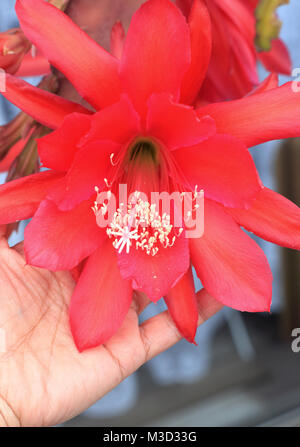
13	46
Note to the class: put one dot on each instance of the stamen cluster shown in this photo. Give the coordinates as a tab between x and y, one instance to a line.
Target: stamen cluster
139	222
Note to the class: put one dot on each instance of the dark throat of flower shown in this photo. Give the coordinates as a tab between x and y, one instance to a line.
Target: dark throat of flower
145	167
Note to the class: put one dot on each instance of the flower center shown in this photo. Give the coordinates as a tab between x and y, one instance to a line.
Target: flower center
144	149
142	225
144	217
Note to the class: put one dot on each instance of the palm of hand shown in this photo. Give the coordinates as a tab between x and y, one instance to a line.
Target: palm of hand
44	380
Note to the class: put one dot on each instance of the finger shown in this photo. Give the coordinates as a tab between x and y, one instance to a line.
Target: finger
130	348
2	231
3	235
140	301
159	333
19	248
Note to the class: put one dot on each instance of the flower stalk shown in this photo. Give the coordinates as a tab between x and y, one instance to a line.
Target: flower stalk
27	162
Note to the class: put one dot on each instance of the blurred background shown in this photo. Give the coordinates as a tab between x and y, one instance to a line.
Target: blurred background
244	371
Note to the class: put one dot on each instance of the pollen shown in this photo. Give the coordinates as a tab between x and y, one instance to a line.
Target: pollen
139	225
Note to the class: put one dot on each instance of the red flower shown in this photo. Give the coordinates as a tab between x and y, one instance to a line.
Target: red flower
232	71
142	135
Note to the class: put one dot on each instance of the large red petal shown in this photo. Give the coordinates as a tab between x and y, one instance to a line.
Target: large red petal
223	168
230	265
19	199
241	27
277	59
232	70
91	69
101	300
155	275
272	217
58	240
45	107
90	168
220	67
156	53
176	125
182	305
119	123
200	29
270	115
57	150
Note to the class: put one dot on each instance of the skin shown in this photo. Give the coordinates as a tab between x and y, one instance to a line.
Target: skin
44	380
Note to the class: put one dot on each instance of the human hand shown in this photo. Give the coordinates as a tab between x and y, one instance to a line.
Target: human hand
44	380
